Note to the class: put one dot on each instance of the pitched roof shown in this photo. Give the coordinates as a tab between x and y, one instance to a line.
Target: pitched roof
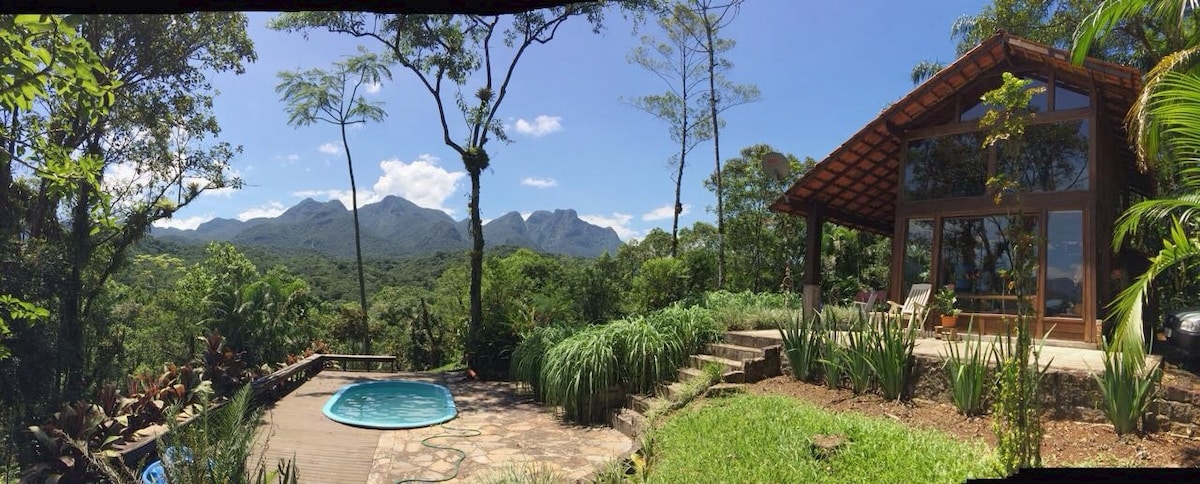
856	185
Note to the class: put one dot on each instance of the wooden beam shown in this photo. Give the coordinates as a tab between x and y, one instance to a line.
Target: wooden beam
812	247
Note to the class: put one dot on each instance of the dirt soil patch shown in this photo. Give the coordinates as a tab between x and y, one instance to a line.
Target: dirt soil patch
1066	443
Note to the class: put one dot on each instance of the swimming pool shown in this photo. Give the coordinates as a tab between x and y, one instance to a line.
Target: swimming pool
391	405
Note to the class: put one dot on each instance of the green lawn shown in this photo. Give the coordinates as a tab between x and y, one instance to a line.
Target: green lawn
753	438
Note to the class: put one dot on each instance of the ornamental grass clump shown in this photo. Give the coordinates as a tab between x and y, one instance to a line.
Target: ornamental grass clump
967	370
801	345
832	359
579	372
528	355
693	327
856	359
889	355
1128	387
645	355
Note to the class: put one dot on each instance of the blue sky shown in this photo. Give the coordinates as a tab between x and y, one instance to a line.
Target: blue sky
825	69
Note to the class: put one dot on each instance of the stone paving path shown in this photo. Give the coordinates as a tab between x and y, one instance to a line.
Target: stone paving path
514	432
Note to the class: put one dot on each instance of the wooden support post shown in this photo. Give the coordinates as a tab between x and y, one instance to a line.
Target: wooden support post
812	263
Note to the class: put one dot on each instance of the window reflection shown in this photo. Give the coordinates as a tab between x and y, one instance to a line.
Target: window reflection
1039	103
1051	157
945	167
976	260
1064	264
918	252
1067	98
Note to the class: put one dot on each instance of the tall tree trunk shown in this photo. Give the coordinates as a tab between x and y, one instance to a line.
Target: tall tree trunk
678	208
362	281
8	213
70	334
476	321
712	105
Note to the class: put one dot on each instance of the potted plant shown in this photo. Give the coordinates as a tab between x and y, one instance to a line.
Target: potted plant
944	301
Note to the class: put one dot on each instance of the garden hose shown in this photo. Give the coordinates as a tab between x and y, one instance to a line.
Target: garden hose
457	462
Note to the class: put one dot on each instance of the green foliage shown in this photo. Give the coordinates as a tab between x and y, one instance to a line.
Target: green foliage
856	359
217	446
645	354
967	369
852	260
1128	387
659	282
693	327
890	356
579	372
524	473
944	301
801	345
833	358
528	356
771	437
748	310
759	242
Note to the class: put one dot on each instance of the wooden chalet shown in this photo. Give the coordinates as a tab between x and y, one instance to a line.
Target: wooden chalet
918	173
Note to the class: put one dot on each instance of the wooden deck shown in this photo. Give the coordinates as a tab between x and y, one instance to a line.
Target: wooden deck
324	451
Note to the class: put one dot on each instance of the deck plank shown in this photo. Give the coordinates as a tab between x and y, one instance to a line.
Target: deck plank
323	450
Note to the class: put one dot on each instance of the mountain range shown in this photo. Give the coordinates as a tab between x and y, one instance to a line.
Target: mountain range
395	227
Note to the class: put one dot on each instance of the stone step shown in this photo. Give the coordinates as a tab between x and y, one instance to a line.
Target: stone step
752	340
686	374
628	422
698	362
639	403
672	391
733	352
724	389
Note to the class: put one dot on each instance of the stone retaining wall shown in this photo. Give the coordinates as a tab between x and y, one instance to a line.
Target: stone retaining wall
1072	395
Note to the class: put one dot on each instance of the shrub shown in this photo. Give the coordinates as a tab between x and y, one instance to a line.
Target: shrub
1128	387
967	371
748	310
660	282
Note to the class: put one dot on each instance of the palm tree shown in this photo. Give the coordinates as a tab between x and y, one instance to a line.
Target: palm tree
316	95
1163	128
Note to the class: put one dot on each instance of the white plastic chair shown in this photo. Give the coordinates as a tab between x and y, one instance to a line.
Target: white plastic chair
915	307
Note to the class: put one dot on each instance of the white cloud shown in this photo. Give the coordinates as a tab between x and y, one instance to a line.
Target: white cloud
542	125
270	210
329	149
665	212
374	87
421	181
617	221
293	157
188	223
539	182
525	215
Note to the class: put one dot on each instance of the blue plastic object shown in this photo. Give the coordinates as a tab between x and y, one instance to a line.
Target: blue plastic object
154	474
391	405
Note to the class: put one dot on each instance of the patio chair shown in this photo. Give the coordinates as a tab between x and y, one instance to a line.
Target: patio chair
865	302
915	307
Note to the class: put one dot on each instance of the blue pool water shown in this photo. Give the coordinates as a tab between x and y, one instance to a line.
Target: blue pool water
391	405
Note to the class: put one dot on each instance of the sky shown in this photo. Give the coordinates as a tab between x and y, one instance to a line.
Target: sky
825	69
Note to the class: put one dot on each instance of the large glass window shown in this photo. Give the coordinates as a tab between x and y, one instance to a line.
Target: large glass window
1067	98
918	252
945	167
1039	103
1050	158
976	258
1064	264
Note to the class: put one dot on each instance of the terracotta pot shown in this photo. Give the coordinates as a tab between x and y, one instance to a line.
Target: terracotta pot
949	321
